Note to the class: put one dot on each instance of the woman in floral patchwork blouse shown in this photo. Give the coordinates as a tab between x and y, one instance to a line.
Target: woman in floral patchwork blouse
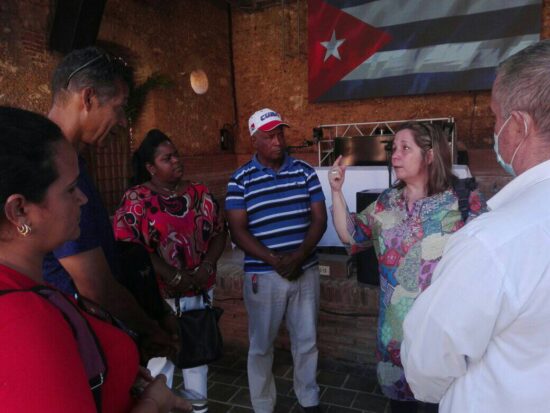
409	225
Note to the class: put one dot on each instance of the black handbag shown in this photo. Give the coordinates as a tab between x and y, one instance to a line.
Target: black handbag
201	339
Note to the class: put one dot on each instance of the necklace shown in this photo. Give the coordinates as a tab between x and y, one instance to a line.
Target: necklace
171	192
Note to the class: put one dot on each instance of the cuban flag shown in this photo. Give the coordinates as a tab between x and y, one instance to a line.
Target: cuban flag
370	48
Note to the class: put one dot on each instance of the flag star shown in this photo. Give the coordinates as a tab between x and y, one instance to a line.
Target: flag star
332	46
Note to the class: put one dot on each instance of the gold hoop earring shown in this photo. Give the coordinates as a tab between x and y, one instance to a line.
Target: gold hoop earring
24	229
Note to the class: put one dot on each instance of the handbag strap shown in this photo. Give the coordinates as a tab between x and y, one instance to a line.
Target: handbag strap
88	345
177	304
206	298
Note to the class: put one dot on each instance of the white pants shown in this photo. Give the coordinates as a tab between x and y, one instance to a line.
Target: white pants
298	302
194	378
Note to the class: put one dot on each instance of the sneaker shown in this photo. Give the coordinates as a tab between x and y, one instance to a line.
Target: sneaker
200	408
311	409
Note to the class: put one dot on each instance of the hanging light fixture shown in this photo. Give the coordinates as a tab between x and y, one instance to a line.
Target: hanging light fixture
199	81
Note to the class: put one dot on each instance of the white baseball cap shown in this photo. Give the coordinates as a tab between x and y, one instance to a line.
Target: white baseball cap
264	120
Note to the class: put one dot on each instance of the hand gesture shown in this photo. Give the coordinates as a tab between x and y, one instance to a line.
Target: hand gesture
336	174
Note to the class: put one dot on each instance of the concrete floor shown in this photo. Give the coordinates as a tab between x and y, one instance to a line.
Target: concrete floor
344	387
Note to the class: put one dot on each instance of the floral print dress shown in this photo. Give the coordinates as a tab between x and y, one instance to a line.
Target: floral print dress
409	245
177	227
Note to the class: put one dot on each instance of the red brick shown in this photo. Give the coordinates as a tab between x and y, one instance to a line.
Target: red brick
286	90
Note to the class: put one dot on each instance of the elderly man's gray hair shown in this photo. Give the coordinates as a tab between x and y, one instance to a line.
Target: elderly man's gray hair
523	83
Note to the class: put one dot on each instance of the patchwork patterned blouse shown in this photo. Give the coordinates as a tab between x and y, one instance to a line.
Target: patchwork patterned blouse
409	245
178	227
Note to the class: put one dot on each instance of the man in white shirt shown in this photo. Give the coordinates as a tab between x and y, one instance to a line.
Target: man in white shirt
478	339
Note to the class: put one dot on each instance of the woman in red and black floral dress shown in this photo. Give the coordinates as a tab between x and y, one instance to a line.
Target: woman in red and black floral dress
180	224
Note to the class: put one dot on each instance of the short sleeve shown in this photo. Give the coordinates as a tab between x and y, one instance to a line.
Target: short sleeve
360	229
217	216
359	226
235	194
130	222
314	186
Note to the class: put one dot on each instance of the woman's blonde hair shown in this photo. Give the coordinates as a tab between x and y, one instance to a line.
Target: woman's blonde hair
430	136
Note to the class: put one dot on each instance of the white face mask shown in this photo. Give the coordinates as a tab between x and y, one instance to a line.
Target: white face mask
507	166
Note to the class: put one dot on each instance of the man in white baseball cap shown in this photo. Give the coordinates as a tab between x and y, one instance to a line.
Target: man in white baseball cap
276	212
265	120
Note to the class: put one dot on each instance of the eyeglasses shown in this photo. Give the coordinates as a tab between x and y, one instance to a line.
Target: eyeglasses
110	59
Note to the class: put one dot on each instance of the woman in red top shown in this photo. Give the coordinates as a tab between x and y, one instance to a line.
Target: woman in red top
42	368
179	222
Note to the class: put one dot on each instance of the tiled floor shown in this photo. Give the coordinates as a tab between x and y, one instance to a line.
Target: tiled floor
344	388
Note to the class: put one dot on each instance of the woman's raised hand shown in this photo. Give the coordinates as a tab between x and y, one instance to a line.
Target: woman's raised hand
336	174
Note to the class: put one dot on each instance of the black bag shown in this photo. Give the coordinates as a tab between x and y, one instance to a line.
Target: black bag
463	188
201	339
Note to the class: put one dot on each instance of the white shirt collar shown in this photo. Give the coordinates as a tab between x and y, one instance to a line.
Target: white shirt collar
514	188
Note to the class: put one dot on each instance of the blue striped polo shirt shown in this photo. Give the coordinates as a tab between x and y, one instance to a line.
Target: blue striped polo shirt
278	205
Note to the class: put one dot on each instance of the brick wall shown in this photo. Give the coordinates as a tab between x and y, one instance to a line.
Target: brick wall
260	41
214	171
172	38
25	65
286	91
275	41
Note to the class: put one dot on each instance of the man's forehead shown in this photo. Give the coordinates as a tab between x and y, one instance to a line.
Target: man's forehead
275	131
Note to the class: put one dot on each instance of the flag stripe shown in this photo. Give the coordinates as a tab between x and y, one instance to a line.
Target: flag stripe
386	13
460	29
440	58
430	46
418	83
